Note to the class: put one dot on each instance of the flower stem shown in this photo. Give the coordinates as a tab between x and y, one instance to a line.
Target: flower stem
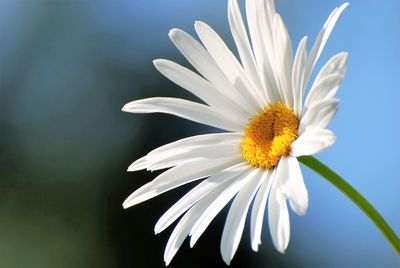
355	196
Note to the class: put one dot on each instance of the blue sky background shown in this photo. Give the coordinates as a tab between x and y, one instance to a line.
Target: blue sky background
66	69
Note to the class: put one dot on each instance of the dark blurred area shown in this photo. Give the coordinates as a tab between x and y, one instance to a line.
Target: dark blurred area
66	70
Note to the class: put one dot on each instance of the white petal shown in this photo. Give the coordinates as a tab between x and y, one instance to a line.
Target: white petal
198	56
179	234
325	89
321	40
198	86
242	42
293	186
257	213
196	194
312	142
260	15
139	164
215	207
235	220
264	13
283	59
327	82
184	145
229	65
255	21
319	115
205	152
195	142
278	216
183	108
187	79
336	64
178	176
182	229
298	75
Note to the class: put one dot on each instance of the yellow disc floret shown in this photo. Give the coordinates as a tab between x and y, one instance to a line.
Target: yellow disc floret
268	136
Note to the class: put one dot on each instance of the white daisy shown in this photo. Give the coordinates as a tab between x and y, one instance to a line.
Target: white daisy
259	103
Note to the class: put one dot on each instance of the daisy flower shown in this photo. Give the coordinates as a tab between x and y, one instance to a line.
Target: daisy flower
258	103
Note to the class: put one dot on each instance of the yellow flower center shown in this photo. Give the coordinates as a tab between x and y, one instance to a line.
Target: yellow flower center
268	136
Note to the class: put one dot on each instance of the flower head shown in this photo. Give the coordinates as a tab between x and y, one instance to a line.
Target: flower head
258	101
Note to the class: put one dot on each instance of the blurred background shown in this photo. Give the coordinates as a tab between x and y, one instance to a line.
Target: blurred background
68	67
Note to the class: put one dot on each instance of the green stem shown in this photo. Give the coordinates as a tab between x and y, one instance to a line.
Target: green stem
354	196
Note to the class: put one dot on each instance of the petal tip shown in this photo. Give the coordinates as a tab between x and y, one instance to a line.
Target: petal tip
345	56
282	251
192	242
227	261
131	201
199	23
126	204
301	212
157	62
254	247
344	5
173	32
123	108
139	164
281	248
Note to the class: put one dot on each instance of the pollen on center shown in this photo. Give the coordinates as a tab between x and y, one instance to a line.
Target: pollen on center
269	135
